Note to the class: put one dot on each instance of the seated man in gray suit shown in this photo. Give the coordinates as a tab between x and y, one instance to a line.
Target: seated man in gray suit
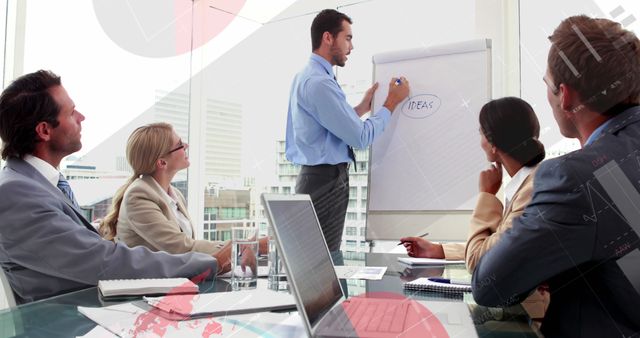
46	245
579	234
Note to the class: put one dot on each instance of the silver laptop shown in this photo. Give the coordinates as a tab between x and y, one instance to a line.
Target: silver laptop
320	300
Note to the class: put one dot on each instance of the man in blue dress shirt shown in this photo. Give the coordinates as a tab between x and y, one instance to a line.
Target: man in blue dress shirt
322	127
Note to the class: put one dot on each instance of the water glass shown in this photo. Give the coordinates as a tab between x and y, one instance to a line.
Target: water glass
244	257
277	279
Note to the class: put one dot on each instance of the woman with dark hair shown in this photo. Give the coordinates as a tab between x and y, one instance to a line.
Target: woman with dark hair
509	131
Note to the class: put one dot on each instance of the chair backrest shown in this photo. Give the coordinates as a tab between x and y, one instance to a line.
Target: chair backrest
7	299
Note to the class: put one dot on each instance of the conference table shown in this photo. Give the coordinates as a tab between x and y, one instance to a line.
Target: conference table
58	316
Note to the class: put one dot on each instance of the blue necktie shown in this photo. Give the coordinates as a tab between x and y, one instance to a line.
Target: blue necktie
64	186
352	156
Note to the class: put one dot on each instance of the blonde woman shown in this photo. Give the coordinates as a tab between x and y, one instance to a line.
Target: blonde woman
147	210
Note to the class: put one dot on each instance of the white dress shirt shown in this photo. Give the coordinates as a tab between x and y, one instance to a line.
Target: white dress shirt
45	168
172	199
514	184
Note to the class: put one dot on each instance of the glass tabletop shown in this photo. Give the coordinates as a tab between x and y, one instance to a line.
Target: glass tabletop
58	316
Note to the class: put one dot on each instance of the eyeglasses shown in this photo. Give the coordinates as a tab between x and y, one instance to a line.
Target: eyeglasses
553	87
180	146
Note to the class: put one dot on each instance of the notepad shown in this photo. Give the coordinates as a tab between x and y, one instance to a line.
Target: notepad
427	261
424	284
434	295
148	286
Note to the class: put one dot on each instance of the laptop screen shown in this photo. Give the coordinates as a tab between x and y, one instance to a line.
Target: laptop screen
306	255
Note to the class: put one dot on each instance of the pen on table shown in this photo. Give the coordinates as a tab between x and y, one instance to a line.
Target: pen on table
425	234
449	281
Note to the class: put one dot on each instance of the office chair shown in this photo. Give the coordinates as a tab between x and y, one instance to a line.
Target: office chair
6	292
9	328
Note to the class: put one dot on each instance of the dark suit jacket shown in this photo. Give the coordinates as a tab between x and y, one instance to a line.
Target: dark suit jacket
47	248
579	234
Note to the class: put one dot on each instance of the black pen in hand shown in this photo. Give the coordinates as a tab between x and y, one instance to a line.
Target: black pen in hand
425	234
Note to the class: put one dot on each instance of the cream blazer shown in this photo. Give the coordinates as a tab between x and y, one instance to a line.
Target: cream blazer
488	223
147	219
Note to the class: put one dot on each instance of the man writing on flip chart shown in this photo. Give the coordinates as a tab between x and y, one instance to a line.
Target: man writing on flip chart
323	129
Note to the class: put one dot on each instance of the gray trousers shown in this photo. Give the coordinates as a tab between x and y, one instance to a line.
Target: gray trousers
328	186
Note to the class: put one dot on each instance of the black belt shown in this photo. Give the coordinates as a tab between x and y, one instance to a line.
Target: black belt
327	169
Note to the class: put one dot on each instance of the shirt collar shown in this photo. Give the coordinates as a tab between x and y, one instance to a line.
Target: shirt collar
324	63
516	181
172	202
596	133
44	168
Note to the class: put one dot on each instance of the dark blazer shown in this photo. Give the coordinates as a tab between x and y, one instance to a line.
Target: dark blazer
579	234
47	248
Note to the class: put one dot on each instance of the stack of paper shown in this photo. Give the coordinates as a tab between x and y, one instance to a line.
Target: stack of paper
139	287
138	319
181	307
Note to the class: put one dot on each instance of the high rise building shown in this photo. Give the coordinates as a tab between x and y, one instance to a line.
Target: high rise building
223	131
222	146
223	139
353	237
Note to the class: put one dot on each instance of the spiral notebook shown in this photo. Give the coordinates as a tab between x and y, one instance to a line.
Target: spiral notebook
425	284
434	295
145	286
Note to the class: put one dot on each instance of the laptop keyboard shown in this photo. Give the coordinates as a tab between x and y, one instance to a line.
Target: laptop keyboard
376	316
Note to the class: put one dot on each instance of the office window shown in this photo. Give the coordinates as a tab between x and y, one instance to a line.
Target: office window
534	48
286	190
116	89
217	88
135	66
233	213
363	231
3	32
362	166
351	231
351	244
353	191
